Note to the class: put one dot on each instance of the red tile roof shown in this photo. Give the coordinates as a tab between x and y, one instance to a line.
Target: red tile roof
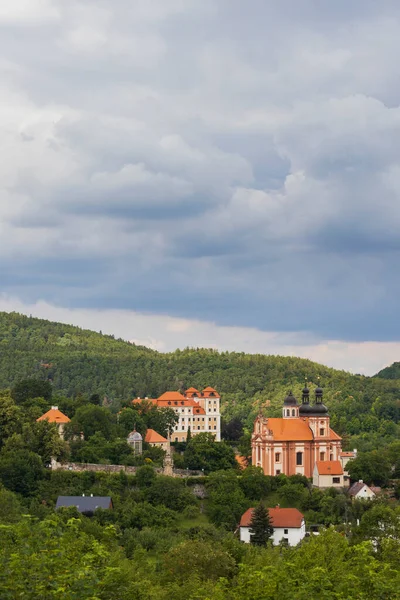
241	460
329	467
171	396
280	517
192	390
333	435
152	437
199	410
349	454
54	416
290	429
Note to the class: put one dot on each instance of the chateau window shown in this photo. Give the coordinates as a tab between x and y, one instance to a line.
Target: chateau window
277	472
215	427
322	432
293	412
322	456
286	531
299	458
176	439
198	426
335	479
277	457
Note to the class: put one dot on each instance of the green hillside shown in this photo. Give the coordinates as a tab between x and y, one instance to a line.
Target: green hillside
392	372
81	361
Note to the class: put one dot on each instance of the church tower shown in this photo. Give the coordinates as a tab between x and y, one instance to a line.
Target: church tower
290	409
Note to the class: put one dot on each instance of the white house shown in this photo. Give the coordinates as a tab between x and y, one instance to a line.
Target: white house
288	525
328	473
361	491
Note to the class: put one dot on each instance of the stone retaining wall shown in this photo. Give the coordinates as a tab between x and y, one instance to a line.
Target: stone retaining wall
80	467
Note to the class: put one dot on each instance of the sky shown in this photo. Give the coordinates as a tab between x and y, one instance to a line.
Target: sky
205	172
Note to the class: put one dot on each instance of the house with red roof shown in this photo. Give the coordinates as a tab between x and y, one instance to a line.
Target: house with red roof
294	443
288	525
155	439
199	411
55	416
328	473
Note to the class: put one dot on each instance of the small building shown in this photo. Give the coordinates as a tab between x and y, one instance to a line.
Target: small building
56	416
328	473
361	491
135	441
85	504
155	439
288	525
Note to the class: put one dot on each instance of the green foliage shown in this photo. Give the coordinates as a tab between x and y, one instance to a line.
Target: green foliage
20	471
260	526
28	389
203	452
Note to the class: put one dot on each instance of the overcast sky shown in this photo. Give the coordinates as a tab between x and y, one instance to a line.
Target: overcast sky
205	172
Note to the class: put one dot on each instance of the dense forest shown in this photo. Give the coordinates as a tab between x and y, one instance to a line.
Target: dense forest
161	539
365	410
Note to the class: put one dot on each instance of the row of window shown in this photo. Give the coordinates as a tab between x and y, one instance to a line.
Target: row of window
299	457
182	428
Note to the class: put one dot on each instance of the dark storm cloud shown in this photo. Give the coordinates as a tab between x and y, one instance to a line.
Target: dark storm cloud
205	160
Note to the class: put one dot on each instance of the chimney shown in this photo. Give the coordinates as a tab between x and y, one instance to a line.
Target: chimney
54	408
83	495
355	451
360	481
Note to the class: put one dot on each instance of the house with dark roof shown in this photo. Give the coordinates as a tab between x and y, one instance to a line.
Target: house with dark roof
85	504
288	525
361	491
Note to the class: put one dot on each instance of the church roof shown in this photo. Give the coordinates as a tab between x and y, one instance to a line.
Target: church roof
152	437
329	467
280	517
289	430
54	416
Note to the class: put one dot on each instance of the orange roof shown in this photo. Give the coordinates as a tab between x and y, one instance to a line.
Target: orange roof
208	391
192	390
152	437
333	435
54	416
280	517
149	400
289	430
171	396
329	467
349	454
241	460
199	410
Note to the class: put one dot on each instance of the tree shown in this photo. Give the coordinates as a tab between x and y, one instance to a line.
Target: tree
9	417
260	526
371	467
91	419
27	389
20	471
232	430
203	452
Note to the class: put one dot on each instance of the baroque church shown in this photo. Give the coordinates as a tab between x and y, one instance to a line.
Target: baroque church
298	442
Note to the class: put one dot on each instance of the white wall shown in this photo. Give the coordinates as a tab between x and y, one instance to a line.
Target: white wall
294	535
365	492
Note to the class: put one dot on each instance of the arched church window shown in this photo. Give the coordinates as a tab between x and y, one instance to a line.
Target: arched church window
299	458
293	412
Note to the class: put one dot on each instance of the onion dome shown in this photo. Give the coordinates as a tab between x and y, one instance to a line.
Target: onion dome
290	400
317	410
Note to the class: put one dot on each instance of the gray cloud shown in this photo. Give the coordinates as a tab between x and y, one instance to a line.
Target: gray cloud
202	160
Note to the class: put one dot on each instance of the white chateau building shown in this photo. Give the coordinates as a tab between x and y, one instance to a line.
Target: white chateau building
199	411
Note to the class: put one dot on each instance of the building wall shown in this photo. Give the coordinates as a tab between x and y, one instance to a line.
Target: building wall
365	493
294	535
209	422
326	481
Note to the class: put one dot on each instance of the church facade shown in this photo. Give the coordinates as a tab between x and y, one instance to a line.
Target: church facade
294	443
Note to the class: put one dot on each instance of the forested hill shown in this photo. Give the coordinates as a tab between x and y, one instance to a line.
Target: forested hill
392	372
81	361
